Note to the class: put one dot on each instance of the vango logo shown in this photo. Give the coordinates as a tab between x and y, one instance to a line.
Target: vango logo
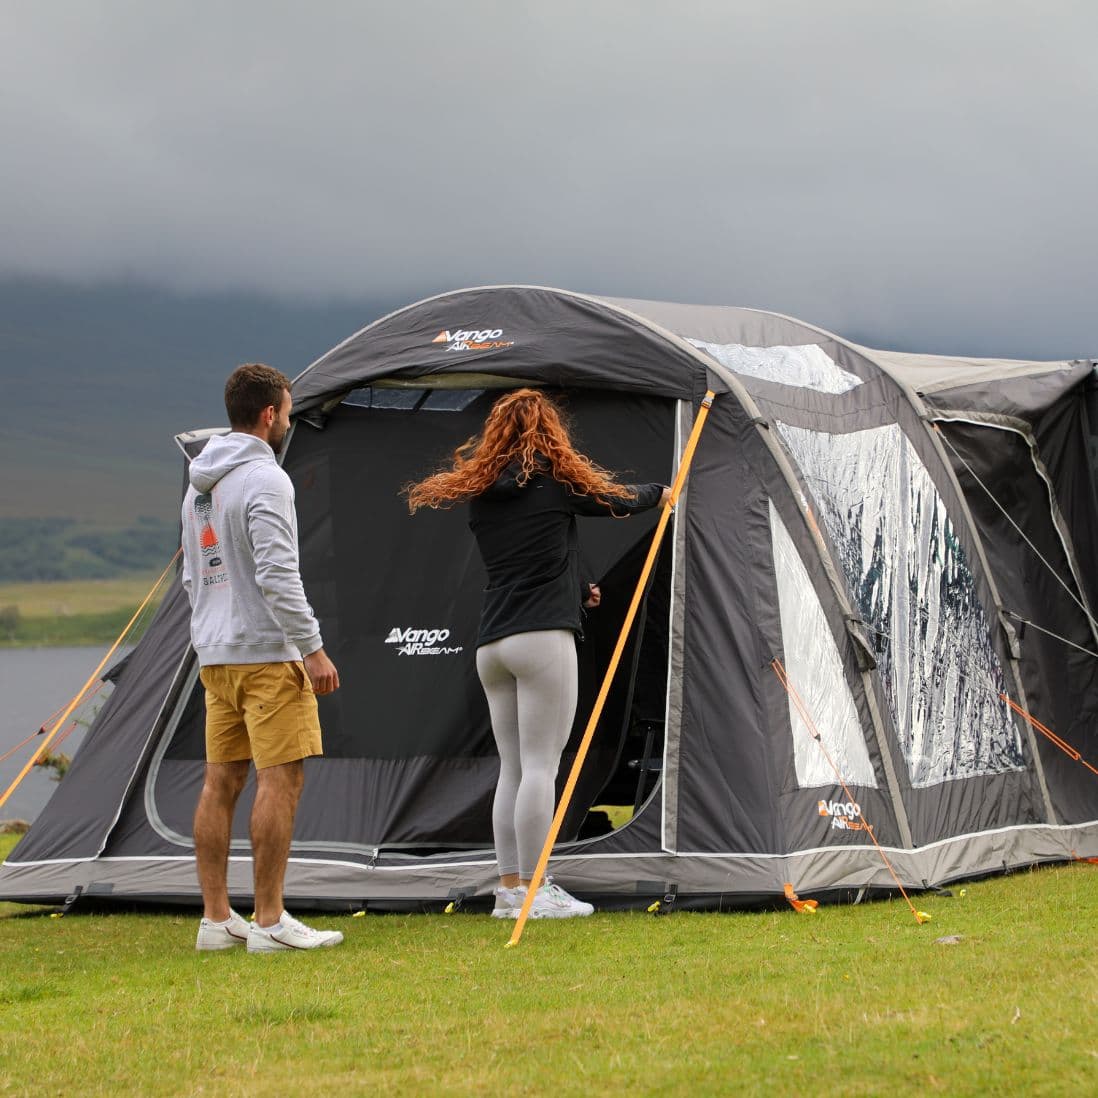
845	815
421	642
473	339
422	636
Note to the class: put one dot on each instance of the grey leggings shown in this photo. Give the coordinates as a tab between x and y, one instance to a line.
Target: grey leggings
530	680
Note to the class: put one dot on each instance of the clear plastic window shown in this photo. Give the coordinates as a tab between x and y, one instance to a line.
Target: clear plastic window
910	580
807	367
816	671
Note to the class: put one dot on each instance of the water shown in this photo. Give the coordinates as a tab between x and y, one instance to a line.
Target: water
34	684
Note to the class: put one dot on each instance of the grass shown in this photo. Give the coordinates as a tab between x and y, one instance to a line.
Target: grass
67	597
70	612
853	1000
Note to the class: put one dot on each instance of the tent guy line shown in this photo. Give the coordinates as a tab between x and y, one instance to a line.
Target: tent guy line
1021	533
866	826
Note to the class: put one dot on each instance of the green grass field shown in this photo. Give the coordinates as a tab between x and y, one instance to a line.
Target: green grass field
71	612
852	1000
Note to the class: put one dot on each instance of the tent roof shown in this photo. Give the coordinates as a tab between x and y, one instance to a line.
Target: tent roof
576	339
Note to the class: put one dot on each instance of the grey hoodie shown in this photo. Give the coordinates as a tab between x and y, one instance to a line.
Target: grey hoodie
240	563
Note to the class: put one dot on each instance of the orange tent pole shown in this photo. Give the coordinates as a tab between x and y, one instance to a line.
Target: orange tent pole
600	701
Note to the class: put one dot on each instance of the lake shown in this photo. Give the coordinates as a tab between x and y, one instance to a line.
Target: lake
34	684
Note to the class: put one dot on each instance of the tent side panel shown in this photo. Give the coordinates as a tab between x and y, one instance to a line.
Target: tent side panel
82	811
727	786
1067	437
1060	680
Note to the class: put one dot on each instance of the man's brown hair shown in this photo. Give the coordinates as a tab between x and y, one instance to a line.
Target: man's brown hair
251	388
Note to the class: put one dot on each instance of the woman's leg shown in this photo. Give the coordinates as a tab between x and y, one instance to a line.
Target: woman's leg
545	667
499	689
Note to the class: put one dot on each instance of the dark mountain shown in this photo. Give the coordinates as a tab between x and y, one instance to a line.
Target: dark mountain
96	381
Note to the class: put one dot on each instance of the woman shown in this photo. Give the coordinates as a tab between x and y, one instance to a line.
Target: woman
525	483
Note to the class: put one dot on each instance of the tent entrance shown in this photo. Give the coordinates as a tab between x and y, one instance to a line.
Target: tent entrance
410	764
625	761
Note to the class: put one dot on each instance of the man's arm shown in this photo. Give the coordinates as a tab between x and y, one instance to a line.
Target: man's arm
321	671
185	573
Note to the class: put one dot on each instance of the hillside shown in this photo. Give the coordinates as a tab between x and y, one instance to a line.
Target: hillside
97	382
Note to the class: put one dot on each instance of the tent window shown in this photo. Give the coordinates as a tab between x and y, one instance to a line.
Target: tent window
807	367
396	400
816	668
910	580
412	400
450	400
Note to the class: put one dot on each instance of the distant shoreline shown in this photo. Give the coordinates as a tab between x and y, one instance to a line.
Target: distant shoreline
72	613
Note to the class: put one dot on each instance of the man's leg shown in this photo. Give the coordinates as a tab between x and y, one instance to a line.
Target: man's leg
272	825
213	822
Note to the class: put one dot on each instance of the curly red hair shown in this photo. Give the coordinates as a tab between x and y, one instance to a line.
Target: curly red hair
523	426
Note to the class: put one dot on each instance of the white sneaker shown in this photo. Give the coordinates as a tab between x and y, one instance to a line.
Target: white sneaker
552	902
509	902
222	935
289	933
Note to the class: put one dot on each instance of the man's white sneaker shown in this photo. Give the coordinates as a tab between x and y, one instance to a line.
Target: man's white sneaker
233	932
552	902
509	902
289	933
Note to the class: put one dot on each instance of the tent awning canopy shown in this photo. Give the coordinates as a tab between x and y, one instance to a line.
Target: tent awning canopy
584	341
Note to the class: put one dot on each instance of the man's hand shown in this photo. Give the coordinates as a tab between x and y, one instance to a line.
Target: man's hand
665	497
321	671
594	596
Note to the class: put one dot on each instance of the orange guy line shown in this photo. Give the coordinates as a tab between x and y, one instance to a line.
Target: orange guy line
44	746
783	678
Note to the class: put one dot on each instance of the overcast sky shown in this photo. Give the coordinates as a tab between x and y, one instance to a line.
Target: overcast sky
922	172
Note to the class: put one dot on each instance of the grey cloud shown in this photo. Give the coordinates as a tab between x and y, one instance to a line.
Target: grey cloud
875	168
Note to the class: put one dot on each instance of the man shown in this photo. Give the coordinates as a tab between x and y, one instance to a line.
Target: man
261	657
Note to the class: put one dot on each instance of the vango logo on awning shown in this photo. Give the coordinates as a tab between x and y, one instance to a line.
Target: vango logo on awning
473	339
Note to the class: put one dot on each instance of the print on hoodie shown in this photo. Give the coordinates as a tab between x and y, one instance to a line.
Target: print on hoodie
211	546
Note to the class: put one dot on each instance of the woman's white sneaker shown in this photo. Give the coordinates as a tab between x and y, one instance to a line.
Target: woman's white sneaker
290	933
508	902
232	932
552	902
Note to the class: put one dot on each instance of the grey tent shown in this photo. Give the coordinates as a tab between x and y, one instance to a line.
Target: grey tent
912	538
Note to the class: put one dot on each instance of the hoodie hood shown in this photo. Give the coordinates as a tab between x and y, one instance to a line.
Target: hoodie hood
222	455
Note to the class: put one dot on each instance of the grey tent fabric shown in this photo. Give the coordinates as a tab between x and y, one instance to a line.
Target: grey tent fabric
910	537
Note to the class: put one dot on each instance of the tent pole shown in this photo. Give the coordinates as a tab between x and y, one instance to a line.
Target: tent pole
604	691
44	746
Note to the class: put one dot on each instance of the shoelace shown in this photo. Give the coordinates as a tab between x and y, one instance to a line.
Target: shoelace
556	893
301	928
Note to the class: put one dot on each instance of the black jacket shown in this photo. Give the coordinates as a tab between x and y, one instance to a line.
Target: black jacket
527	539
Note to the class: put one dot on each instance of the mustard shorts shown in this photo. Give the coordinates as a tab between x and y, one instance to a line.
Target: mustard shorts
261	711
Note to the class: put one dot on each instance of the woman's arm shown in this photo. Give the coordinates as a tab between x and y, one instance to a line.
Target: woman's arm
647	496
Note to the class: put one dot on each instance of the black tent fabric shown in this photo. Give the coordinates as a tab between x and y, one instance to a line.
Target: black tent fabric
908	536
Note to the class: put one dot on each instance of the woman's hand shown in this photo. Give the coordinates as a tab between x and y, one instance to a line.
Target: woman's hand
594	596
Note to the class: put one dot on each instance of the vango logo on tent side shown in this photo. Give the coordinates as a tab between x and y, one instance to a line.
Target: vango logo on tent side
421	642
845	815
473	339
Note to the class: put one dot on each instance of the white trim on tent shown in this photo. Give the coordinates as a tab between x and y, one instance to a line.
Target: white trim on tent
731	856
